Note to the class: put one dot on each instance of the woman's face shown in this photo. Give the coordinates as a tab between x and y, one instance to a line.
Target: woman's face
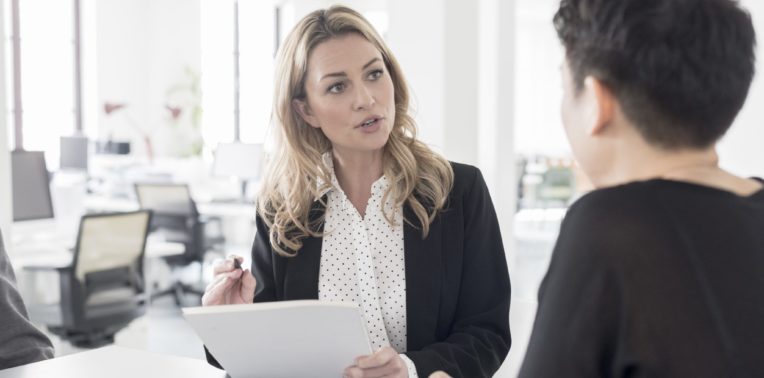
349	94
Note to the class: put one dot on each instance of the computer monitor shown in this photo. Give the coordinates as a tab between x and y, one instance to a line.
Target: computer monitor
74	153
240	160
31	186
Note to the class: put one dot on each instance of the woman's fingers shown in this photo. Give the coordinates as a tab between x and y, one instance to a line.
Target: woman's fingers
389	369
222	276
386	362
231	283
216	292
222	266
227	265
379	358
248	285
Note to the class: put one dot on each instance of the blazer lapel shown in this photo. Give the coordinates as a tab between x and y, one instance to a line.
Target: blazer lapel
423	280
301	277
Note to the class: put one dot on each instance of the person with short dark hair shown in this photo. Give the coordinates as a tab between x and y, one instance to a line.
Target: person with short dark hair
20	342
660	270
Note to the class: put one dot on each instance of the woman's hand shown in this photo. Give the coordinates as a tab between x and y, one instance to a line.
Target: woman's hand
385	362
230	284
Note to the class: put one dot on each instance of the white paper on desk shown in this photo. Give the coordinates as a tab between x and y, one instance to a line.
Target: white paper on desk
306	338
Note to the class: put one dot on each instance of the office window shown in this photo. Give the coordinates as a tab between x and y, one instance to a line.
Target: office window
256	45
256	64
545	174
538	83
5	30
47	66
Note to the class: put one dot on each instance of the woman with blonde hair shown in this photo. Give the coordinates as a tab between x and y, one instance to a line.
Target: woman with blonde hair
354	208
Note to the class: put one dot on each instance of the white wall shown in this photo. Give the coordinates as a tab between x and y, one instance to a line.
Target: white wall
461	80
458	59
122	65
539	128
5	165
741	150
496	106
420	50
495	126
174	46
143	47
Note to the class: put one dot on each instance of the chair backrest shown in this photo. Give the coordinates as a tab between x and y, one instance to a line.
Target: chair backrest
109	241
169	199
175	217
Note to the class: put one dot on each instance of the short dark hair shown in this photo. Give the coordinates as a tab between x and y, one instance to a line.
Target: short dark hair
680	69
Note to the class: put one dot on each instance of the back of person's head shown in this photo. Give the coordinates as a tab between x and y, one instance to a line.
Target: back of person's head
680	69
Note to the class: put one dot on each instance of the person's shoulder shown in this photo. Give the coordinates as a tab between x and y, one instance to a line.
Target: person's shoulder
616	218
5	268
466	177
635	197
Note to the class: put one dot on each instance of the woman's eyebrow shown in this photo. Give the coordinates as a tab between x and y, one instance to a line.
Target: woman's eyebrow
365	66
343	74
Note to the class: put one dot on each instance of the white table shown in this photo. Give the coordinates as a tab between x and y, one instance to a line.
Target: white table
46	244
221	209
116	362
237	219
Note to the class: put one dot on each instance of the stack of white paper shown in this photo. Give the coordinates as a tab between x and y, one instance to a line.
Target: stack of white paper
306	338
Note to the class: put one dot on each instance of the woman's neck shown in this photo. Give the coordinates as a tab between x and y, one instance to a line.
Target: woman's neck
697	166
356	173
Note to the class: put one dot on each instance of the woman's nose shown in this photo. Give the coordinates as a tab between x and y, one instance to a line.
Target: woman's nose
364	98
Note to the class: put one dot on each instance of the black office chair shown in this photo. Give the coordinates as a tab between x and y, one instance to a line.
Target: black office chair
176	219
102	289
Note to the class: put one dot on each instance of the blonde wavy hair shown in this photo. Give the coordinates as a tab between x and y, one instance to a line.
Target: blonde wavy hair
419	177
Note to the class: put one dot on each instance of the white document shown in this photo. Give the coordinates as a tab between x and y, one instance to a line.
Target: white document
306	338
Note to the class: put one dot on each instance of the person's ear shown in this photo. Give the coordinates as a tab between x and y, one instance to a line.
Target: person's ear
303	109
602	105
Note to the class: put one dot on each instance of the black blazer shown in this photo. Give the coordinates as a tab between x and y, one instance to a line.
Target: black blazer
457	282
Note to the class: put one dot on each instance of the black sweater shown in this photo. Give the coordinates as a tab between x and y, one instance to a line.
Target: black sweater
20	342
654	279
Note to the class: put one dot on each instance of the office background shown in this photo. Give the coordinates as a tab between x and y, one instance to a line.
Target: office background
160	75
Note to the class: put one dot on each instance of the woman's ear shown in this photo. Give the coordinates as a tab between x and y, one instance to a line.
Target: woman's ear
303	109
602	105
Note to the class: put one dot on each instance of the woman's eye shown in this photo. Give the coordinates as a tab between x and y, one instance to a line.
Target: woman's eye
376	74
336	88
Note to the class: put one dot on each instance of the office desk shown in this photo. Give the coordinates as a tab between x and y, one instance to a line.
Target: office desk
115	362
237	219
45	244
220	209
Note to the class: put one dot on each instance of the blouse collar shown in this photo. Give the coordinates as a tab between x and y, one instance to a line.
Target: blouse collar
378	188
